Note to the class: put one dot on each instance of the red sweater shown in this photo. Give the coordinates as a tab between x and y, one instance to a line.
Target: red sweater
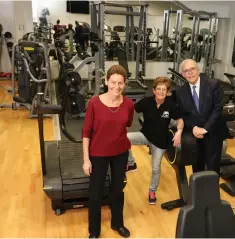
106	129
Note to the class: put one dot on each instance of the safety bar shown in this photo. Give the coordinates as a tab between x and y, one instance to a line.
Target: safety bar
231	78
125	5
175	73
112	12
87	60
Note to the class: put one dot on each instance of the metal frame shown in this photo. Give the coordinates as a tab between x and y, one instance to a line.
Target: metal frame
209	47
165	35
177	51
194	37
98	14
87	61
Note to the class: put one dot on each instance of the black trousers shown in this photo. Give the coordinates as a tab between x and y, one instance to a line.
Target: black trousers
209	154
100	165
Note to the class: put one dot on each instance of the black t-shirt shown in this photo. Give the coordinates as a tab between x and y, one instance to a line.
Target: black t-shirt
157	120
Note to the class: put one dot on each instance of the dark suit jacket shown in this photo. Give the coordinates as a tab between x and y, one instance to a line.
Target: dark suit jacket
209	116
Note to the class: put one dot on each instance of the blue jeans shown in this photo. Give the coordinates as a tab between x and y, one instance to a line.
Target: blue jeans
138	138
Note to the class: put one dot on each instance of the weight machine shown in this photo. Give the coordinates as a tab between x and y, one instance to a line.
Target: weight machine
31	63
92	63
79	93
153	53
210	43
180	50
207	51
98	14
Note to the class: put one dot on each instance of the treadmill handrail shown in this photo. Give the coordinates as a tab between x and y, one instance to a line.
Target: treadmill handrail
62	114
53	109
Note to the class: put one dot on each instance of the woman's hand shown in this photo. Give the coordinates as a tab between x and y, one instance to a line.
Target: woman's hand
87	167
177	138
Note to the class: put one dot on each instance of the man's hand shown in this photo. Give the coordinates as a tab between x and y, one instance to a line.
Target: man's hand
198	131
177	138
200	136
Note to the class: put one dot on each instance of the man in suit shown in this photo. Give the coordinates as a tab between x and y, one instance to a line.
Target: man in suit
200	100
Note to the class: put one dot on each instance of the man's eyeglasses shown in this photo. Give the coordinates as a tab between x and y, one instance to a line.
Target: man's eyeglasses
190	70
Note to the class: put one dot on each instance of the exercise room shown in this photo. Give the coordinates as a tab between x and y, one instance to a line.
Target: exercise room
117	119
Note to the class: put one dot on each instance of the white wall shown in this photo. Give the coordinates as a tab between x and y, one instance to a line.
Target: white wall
23	18
224	46
16	17
221	7
7	17
57	10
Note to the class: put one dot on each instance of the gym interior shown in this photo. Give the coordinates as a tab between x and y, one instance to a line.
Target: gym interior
47	77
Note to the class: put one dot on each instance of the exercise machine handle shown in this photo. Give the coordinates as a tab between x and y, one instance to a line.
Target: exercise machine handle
62	114
49	109
41	110
231	78
28	57
175	73
229	75
30	73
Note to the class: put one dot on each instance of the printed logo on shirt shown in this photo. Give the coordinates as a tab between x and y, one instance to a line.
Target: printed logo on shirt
165	114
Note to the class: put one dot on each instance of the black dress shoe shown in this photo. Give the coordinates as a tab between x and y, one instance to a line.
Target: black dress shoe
122	231
93	236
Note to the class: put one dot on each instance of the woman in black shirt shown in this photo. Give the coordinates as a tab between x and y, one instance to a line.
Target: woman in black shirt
158	110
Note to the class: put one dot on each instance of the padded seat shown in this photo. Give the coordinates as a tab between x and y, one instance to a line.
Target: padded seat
205	215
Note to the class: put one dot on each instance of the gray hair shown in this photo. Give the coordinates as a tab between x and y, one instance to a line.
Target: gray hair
185	61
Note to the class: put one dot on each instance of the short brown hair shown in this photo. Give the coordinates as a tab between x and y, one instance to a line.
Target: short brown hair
162	81
116	69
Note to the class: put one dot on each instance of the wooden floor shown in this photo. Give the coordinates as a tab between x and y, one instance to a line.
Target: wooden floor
25	210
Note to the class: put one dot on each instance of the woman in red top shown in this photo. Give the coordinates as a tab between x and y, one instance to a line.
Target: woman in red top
105	143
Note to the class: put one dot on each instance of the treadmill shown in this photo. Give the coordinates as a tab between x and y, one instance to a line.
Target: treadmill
64	181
